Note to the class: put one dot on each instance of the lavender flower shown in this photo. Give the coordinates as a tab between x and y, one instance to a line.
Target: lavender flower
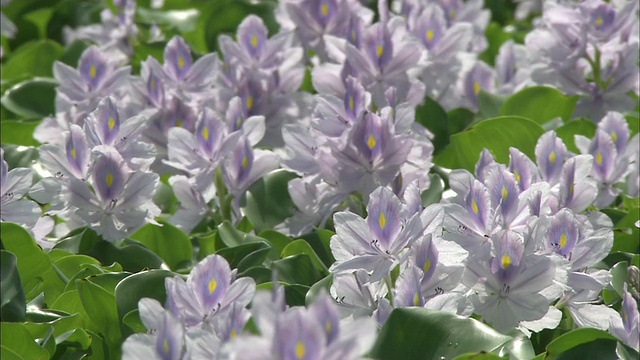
625	327
210	289
121	199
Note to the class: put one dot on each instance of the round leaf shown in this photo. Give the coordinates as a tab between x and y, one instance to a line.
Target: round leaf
540	104
167	241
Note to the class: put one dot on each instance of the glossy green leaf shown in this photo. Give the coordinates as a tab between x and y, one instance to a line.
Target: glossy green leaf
132	320
434	193
167	241
100	305
601	349
496	36
497	135
70	302
626	234
459	119
619	276
268	202
489	104
278	240
133	257
181	20
13	305
479	356
568	131
17	341
418	333
149	284
73	264
35	58
31	260
18	132
540	104
32	98
315	289
433	117
574	338
230	236
244	256
297	269
302	247
320	240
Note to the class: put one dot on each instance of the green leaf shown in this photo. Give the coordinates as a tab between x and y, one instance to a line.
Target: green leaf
459	119
181	20
72	53
72	264
297	269
34	58
433	117
268	202
497	135
278	240
496	36
479	356
17	342
489	104
31	260
418	333
316	288
32	98
230	236
70	302
320	241
244	256
167	241
540	104
626	234
13	306
434	193
619	276
302	247
100	305
132	320
133	257
130	290
567	131
633	120
259	274
18	132
601	349
574	338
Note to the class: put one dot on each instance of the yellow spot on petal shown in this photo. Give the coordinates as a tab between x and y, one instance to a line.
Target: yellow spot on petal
416	299
353	36
249	102
452	13
476	88
379	51
165	346
245	162
108	179
233	334
505	261
599	21
382	221
254	41
73	153
504	192
178	122
563	240
625	316
351	105
371	142
324	9
474	206
429	35
614	136
111	123
153	84
180	62
238	122
427	266
552	157
213	284
517	175
327	326
300	350
205	133
598	157
92	71
571	189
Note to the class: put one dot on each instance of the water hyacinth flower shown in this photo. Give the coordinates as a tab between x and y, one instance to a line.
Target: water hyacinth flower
210	289
165	337
14	186
97	76
614	155
626	326
180	75
507	284
380	242
313	333
120	201
479	77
